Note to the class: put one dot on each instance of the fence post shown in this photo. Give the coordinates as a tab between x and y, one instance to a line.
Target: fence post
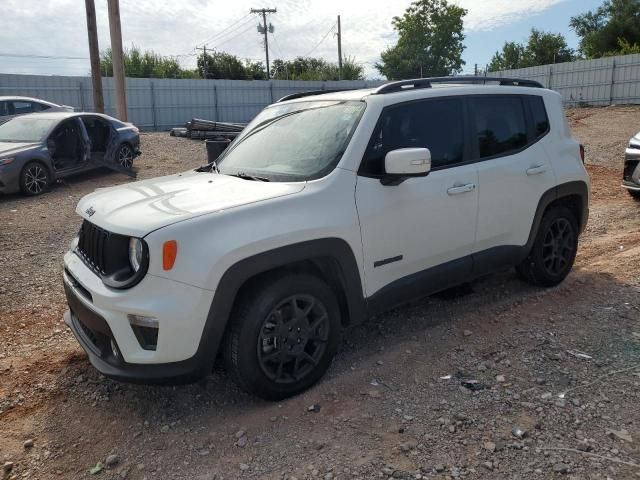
613	81
153	106
215	101
550	77
271	90
81	95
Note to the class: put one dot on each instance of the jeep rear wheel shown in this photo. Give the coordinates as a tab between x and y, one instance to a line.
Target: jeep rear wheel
283	336
554	249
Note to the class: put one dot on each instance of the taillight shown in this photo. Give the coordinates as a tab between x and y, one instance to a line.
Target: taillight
582	152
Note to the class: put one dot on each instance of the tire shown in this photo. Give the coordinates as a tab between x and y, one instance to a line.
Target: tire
124	156
34	179
265	346
634	193
554	249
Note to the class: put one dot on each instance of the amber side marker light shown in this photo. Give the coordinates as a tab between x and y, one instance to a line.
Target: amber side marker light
169	254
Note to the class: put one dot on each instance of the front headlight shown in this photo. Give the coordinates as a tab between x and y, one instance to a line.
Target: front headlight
6	160
135	253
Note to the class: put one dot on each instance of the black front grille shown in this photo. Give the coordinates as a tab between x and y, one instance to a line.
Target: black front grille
93	243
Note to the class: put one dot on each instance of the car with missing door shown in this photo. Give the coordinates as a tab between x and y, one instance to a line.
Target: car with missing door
327	208
38	149
631	175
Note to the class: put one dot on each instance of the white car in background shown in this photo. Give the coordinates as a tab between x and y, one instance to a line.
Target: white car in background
13	106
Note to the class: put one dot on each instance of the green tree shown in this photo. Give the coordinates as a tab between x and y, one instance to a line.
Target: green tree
542	48
221	65
605	30
511	57
309	68
145	65
430	41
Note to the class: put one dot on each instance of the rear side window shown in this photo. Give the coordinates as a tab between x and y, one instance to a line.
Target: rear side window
39	107
434	124
539	115
500	124
20	107
3	109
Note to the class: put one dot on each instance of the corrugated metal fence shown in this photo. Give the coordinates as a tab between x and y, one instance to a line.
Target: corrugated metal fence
604	81
160	104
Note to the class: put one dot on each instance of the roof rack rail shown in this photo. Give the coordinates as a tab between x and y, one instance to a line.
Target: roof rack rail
428	83
293	96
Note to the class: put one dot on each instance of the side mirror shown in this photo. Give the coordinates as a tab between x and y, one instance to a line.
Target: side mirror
405	163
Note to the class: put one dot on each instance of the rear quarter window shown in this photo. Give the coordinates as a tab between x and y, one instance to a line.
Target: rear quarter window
539	116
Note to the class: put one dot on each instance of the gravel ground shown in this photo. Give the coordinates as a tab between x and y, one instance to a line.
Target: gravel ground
491	380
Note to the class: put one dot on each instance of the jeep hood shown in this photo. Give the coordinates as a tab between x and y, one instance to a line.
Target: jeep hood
139	208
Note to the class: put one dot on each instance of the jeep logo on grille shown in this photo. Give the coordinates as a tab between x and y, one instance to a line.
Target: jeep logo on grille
90	211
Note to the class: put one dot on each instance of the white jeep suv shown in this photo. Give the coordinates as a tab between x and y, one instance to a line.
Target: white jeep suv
326	209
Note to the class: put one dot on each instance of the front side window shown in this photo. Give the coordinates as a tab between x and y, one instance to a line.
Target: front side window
435	124
3	109
499	124
293	142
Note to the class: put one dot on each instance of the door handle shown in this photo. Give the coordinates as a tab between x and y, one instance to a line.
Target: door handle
457	190
536	170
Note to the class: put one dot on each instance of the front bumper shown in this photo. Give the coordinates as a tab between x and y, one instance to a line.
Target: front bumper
631	174
98	317
10	177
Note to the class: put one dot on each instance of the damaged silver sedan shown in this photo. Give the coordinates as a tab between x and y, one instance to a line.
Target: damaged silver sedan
38	149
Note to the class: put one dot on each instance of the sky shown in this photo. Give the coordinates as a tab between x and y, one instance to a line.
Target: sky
57	28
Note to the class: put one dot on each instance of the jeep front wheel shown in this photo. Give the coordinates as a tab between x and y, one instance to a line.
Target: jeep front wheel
283	335
554	249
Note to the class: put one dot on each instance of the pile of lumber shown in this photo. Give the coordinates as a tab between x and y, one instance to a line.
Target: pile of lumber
200	129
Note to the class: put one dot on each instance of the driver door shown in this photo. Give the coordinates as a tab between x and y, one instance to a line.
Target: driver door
418	236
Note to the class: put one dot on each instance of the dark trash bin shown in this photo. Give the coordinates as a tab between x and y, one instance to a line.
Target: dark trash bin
215	148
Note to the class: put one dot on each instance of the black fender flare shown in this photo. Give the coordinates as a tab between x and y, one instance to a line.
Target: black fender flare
558	192
236	276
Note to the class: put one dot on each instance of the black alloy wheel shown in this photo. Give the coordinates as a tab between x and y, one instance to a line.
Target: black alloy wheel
558	246
554	249
293	339
282	335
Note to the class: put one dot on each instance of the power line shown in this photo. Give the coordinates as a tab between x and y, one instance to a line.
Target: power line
321	41
227	31
250	27
221	33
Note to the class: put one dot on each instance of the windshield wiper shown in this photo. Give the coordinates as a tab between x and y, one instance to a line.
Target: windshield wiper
210	167
245	176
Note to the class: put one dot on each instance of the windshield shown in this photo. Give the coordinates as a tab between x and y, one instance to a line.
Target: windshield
25	129
293	142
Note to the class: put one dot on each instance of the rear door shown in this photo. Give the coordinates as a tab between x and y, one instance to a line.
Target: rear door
508	136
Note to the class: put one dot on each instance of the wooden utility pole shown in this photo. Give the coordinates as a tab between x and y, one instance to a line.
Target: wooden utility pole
94	54
117	58
205	62
339	50
265	32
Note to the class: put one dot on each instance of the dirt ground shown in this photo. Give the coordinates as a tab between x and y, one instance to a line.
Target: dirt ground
558	370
